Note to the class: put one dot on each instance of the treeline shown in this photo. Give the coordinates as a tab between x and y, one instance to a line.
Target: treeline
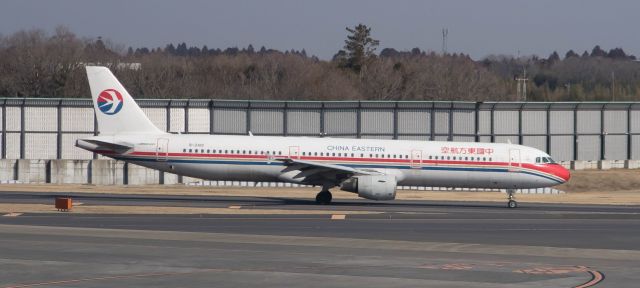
34	63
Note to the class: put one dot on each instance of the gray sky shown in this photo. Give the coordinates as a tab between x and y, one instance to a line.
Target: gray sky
478	28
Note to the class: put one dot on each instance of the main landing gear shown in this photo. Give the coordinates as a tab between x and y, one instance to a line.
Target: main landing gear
512	201
324	197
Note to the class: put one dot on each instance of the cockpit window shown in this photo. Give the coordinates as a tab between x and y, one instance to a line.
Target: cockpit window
545	160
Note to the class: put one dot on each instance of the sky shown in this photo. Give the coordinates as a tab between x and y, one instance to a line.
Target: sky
478	28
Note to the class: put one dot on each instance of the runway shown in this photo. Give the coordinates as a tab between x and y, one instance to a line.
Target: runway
398	244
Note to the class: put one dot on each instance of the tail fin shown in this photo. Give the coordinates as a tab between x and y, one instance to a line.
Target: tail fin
116	111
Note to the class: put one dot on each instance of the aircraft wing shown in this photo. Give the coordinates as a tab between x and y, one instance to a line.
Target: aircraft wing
316	172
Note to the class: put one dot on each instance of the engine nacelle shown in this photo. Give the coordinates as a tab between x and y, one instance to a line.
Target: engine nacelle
373	187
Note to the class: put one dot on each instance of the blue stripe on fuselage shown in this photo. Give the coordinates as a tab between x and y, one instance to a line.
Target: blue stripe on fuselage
278	163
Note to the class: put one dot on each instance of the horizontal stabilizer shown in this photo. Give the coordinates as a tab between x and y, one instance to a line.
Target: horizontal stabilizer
93	145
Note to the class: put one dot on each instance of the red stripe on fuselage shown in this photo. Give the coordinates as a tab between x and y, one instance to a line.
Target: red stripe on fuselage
551	169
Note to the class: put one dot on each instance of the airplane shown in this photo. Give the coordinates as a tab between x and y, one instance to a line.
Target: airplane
371	168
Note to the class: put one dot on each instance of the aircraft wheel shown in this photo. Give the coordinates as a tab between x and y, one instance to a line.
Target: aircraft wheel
512	204
324	198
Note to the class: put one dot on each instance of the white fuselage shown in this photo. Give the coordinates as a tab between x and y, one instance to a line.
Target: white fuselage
414	163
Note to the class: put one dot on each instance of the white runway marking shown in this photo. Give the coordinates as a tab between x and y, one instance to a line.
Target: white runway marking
12	214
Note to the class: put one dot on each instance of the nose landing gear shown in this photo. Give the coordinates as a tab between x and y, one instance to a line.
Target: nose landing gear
512	202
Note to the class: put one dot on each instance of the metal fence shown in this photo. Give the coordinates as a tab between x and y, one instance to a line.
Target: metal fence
48	128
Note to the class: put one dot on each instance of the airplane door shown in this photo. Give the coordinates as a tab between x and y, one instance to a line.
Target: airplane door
294	152
162	149
514	160
416	158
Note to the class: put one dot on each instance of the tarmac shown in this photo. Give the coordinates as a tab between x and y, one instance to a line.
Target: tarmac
393	244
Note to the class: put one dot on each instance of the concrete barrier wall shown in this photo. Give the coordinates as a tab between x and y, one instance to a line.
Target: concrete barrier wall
112	172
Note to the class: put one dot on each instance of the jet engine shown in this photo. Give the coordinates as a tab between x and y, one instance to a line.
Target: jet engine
373	187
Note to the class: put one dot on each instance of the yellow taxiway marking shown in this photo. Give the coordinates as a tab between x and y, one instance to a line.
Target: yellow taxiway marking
235	207
338	217
12	214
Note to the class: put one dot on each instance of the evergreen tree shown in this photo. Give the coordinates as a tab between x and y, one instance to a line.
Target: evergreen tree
598	52
553	58
181	50
570	54
170	49
359	47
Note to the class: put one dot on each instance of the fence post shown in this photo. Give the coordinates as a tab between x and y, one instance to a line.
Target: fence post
395	120
186	116
575	132
432	122
22	134
450	121
285	116
4	129
629	138
602	133
59	132
548	129
248	118
476	127
95	131
168	115
359	120
322	119
492	130
520	137
211	117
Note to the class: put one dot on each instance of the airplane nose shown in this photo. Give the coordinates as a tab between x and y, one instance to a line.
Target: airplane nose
563	173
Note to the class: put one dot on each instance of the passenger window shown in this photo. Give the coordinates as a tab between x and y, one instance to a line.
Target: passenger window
448	157
361	155
454	157
333	154
190	150
184	150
